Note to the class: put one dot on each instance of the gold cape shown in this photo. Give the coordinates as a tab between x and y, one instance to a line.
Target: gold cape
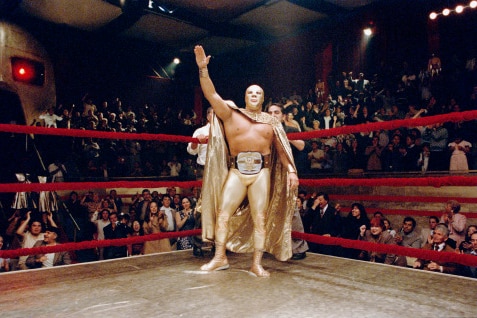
282	201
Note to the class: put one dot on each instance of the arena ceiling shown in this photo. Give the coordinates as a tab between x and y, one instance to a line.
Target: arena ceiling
220	25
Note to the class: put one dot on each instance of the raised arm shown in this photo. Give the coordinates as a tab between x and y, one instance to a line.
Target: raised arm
218	104
21	229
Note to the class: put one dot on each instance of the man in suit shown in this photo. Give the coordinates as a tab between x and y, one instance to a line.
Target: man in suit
325	221
437	243
49	259
116	230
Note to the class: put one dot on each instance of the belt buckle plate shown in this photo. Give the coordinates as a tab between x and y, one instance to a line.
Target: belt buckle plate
249	162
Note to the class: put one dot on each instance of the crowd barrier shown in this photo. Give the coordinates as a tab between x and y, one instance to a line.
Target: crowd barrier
462	259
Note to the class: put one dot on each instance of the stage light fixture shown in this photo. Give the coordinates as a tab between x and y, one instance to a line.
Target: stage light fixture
458	9
28	71
367	31
176	60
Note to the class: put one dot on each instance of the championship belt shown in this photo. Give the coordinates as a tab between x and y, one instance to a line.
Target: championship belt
249	162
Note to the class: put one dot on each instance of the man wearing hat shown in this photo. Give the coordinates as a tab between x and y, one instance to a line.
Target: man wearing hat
48	259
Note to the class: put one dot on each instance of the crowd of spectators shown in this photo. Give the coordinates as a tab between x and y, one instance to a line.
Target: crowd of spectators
102	159
92	216
404	95
342	100
449	232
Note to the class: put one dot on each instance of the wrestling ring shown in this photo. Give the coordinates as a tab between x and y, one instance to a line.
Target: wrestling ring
171	284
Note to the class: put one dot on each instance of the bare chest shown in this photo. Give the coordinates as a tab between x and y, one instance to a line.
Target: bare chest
244	135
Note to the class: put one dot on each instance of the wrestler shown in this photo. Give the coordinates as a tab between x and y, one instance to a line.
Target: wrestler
253	141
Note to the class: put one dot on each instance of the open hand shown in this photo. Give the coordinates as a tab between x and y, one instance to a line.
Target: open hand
201	59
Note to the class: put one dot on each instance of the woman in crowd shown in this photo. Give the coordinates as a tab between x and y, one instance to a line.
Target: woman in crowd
185	221
377	234
137	248
155	222
388	227
356	218
459	149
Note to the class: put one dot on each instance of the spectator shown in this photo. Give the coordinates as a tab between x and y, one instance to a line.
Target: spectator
185	221
137	230
112	231
408	236
456	222
437	136
92	202
413	152
316	156
49	259
466	245
424	160
141	202
176	202
4	262
340	159
155	222
174	166
324	221
388	227
471	271
50	118
459	149
378	234
31	235
387	157
356	158
113	194
100	221
373	154
426	233
352	224
169	213
438	244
